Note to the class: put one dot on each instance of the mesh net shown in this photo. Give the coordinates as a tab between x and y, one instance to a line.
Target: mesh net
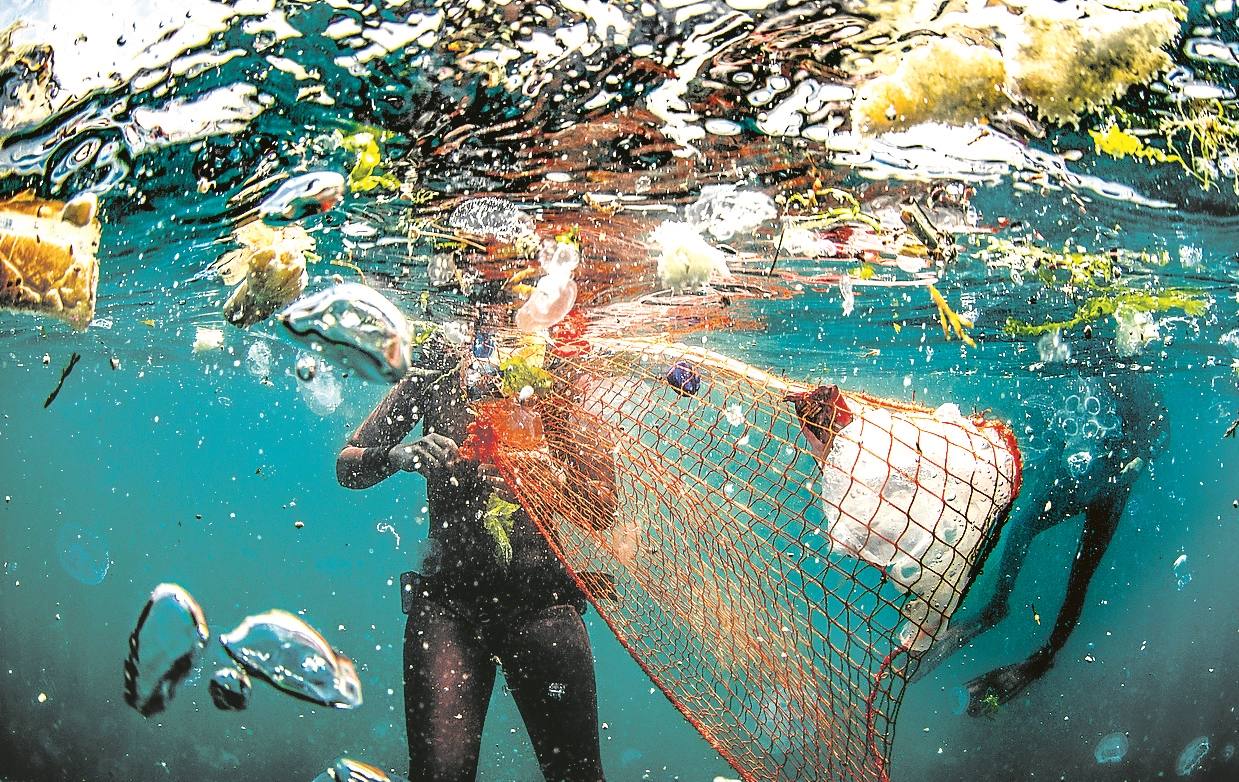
779	554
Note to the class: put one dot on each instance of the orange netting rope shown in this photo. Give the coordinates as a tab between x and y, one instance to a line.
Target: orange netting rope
772	548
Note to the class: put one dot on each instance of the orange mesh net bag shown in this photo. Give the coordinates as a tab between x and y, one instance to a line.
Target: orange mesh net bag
779	554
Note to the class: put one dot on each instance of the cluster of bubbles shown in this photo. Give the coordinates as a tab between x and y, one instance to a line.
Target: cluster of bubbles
1080	418
317	382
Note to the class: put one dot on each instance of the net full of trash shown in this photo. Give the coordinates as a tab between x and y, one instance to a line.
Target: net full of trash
779	554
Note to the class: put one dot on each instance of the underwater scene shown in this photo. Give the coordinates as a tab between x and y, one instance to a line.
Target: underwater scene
693	390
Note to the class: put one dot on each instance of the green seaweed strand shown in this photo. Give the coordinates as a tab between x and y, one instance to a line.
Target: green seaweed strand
1189	301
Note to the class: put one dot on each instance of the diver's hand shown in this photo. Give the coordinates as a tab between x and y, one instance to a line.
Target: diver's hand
430	455
491	477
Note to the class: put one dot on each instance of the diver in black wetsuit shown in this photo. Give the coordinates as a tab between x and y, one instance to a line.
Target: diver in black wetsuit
1099	493
467	609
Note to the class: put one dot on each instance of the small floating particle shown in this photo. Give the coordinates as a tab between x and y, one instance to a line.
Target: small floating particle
47	359
298	524
115	362
148	322
42	697
206	338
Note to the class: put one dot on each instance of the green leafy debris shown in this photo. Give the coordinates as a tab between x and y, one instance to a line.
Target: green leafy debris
363	177
497	522
1103	304
519	372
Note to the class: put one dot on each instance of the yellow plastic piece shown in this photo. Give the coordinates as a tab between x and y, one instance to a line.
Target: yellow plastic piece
950	320
369	157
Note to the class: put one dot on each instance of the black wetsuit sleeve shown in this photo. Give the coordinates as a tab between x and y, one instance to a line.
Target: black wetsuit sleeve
364	460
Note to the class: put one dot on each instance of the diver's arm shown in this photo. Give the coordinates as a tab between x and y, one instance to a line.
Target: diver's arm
366	459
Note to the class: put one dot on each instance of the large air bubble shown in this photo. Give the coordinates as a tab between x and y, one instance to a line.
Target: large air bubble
1111	748
285	651
163	647
83	554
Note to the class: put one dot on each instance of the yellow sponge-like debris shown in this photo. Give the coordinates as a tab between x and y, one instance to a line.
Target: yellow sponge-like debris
944	80
1079	57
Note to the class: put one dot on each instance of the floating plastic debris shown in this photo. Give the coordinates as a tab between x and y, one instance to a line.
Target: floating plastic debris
268	270
323	392
1192	756
207	338
171	630
47	257
281	649
349	770
82	554
1182	574
1052	348
230	689
555	292
1136	329
491	217
258	359
302	196
683	379
686	260
724	211
354	326
1111	749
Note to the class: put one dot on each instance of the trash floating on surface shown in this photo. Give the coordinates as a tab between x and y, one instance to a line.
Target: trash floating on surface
230	689
302	196
268	270
1111	749
724	211
286	652
1192	756
354	326
82	554
1052	348
1136	328
170	632
349	770
491	217
47	257
555	292
686	260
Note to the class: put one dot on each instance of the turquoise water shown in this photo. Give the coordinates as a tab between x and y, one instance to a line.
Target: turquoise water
158	463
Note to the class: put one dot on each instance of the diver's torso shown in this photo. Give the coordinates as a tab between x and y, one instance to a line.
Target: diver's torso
461	551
